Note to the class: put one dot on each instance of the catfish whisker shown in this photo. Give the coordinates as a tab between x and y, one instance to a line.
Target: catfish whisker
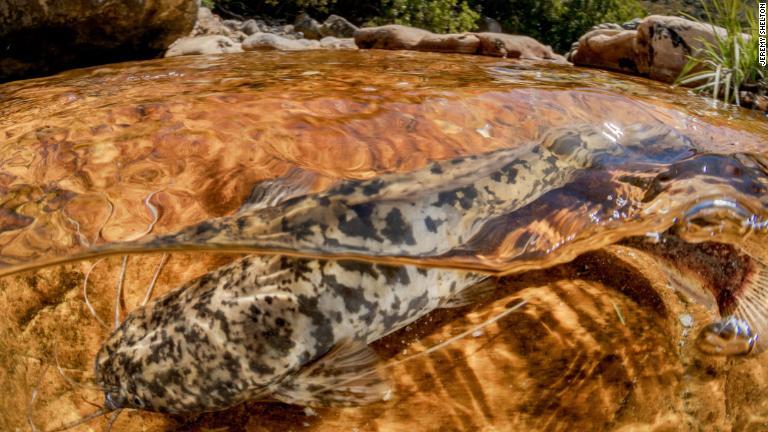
96	414
100	233
151	288
70	382
155	217
85	295
462	335
93	404
428	351
119	291
113	419
33	399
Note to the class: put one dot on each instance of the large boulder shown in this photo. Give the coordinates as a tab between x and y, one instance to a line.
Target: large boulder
659	47
42	37
664	43
398	37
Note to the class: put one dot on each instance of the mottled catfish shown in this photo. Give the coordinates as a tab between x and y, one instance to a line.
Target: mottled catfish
290	329
510	210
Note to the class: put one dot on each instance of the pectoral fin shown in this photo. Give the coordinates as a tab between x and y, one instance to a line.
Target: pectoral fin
472	294
348	375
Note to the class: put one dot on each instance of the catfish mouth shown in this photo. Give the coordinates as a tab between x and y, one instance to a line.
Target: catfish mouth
721	242
114	401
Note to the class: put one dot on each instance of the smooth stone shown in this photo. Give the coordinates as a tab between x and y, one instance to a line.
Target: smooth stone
269	41
398	37
516	46
609	49
202	45
330	42
392	37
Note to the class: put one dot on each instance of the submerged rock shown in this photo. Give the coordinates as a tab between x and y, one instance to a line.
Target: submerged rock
398	37
43	37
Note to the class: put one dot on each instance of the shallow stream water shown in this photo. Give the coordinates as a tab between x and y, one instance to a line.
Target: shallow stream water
95	157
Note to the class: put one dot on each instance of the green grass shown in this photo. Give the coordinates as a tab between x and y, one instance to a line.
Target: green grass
729	63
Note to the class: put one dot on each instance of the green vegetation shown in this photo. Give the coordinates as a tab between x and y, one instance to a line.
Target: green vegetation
731	62
554	22
558	22
441	16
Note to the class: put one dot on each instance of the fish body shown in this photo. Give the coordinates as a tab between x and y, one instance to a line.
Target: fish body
291	329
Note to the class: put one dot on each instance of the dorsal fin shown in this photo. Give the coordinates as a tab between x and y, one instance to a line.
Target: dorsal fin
348	375
269	193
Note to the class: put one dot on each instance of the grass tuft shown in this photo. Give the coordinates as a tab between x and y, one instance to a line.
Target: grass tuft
730	63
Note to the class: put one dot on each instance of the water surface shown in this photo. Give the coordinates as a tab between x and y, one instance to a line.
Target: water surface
103	155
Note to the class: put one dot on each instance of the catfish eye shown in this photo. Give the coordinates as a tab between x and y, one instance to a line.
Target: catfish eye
137	402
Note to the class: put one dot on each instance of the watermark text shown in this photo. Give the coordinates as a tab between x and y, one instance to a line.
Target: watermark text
761	23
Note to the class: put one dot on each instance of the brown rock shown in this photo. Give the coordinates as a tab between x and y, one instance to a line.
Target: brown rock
392	37
43	37
450	43
515	46
201	45
658	49
397	37
607	49
664	43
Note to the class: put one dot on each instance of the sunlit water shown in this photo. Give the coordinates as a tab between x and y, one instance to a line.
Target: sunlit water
92	158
